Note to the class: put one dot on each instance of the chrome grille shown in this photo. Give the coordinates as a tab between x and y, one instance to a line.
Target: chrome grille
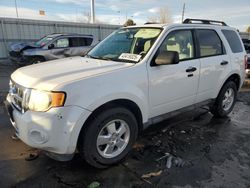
18	95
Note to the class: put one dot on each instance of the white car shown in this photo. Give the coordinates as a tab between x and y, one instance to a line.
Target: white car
138	76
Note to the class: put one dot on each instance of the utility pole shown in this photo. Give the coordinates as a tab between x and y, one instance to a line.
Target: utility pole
92	11
183	12
16	10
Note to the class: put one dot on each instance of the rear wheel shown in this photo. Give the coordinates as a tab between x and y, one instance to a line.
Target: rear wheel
109	137
226	100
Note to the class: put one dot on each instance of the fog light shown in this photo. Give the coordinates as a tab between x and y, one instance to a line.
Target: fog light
38	137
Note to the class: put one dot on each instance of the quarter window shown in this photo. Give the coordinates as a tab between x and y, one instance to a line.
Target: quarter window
233	41
210	43
180	41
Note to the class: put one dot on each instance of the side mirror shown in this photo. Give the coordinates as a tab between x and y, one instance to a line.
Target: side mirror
167	57
51	46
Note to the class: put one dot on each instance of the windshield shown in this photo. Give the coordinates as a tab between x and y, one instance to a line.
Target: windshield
43	41
127	44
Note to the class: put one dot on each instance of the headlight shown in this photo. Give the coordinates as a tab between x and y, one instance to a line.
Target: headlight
42	100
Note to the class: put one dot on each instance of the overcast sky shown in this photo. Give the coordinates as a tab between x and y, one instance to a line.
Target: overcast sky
234	13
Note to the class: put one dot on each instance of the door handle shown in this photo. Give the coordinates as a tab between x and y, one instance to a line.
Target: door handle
224	63
191	69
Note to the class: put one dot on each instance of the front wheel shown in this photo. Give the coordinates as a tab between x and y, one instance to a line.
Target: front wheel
225	101
109	137
36	60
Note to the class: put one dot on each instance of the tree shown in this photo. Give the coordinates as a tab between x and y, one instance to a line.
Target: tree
129	22
161	16
248	29
164	15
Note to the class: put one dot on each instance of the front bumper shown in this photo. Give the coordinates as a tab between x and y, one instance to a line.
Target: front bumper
18	60
54	131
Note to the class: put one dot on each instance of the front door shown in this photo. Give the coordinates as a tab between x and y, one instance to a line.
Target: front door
174	86
61	48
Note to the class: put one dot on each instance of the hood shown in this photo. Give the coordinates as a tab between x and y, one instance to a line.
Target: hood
17	47
48	75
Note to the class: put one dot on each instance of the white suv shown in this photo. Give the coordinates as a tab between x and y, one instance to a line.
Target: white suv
140	75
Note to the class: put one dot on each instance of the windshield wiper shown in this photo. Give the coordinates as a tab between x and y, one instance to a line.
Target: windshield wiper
98	57
90	56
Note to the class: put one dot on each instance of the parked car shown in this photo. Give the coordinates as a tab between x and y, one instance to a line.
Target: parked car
248	66
51	47
246	43
136	77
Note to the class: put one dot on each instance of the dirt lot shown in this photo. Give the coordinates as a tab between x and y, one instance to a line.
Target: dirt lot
190	150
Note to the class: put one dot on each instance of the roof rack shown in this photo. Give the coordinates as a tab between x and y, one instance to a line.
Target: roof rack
65	34
193	21
151	23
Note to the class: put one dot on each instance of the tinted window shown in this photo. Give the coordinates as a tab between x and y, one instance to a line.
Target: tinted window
180	41
210	43
62	43
88	41
80	41
233	41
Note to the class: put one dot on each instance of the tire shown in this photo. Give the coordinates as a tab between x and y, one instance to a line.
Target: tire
36	60
103	125
220	108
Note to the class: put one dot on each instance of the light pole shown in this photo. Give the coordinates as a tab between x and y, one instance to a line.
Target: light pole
92	11
16	10
183	12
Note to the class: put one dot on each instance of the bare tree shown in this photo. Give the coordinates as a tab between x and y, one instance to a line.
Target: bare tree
248	29
164	15
129	22
152	19
161	16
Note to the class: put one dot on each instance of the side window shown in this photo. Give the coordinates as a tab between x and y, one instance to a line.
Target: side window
74	42
210	43
180	41
86	41
62	43
80	41
233	41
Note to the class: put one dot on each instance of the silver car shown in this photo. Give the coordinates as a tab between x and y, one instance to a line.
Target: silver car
51	47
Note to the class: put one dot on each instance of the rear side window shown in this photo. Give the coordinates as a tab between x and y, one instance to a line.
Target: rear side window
233	41
80	41
210	43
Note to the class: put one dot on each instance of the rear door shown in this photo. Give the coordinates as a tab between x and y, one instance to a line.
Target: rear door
215	63
79	45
